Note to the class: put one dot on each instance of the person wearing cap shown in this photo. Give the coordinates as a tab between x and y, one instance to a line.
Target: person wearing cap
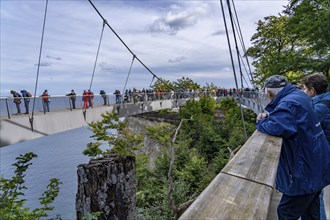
303	169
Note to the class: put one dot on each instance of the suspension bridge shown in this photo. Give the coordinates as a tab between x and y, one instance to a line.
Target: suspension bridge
245	187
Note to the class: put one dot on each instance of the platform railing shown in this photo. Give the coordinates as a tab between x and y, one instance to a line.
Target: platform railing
60	102
243	189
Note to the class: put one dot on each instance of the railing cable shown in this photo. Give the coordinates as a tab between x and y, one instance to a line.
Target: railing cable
38	69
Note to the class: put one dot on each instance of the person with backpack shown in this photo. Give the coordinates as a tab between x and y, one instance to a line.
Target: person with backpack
45	100
17	101
315	86
26	96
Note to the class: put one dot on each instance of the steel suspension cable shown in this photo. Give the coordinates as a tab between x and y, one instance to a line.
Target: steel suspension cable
232	63
128	47
129	72
245	71
235	40
151	82
242	42
242	45
97	54
38	69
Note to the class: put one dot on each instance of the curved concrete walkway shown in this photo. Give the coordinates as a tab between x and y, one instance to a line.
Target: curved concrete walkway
18	128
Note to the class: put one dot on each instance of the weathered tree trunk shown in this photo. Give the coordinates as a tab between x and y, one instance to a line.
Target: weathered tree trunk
107	185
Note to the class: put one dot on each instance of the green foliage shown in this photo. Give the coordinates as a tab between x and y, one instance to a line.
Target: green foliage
162	85
92	216
161	133
294	43
186	83
183	84
201	152
93	149
164	111
211	86
12	191
110	129
205	106
310	22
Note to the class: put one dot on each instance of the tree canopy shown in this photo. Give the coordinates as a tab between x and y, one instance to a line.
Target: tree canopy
294	43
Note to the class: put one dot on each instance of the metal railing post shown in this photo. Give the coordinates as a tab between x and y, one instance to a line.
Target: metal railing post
7	108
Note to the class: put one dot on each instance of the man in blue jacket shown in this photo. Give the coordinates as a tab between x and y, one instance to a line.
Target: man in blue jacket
304	165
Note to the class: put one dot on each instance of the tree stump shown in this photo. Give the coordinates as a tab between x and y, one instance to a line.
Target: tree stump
107	185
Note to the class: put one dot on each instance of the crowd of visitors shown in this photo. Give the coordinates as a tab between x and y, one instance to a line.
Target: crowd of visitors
129	96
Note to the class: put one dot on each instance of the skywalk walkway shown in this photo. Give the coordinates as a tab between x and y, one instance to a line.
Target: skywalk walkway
18	128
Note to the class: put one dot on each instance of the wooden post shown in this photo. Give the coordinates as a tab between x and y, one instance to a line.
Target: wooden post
107	185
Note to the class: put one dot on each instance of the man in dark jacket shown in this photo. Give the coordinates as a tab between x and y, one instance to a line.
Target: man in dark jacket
303	169
72	95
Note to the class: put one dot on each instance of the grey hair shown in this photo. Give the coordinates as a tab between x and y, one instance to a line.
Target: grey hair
275	91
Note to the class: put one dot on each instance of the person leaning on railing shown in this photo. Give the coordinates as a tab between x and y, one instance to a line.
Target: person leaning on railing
72	95
17	101
303	169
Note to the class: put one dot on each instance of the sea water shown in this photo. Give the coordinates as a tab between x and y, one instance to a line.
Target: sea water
58	157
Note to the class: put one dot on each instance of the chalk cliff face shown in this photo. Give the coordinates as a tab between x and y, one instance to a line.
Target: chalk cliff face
138	124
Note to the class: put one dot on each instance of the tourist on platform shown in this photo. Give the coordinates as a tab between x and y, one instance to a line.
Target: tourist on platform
315	86
303	169
118	95
104	96
85	99
126	96
17	101
26	95
90	98
72	96
45	100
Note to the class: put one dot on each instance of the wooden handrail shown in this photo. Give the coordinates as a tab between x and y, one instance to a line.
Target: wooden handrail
243	189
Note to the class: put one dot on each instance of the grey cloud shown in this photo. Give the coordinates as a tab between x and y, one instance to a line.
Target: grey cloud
53	58
44	64
220	32
104	66
175	20
177	60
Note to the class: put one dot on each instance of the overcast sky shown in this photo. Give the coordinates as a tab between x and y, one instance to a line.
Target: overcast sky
172	38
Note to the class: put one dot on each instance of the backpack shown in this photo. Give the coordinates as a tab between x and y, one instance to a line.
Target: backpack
28	94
